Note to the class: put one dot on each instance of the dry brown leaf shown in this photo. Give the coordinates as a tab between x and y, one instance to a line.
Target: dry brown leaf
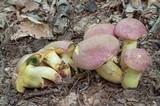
28	28
135	3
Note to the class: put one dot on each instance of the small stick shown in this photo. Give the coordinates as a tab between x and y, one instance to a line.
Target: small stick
48	92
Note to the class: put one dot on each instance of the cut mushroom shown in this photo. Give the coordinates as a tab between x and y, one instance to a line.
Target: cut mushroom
31	75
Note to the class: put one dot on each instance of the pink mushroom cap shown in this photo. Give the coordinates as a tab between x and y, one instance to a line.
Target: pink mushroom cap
94	51
138	59
130	29
100	29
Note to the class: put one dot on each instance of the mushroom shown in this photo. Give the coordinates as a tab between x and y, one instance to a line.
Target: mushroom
53	59
68	48
31	75
100	29
130	30
95	53
137	60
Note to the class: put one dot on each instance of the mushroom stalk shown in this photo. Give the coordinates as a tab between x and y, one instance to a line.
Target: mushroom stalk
131	78
110	71
67	59
127	45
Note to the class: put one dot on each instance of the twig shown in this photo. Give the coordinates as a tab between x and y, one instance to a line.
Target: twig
108	97
48	92
79	102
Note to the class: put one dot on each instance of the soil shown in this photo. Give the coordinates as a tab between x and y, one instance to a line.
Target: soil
90	89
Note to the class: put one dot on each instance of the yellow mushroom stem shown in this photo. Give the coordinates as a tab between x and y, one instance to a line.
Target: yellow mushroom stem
127	45
52	59
67	59
131	78
33	76
110	71
60	62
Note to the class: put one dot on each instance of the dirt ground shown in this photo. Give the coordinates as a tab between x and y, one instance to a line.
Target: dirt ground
90	89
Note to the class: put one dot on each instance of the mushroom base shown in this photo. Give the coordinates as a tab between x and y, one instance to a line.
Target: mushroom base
131	78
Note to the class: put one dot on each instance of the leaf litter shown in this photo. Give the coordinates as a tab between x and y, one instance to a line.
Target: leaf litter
32	27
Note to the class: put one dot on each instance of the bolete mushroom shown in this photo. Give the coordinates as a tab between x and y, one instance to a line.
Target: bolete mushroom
31	75
100	29
129	29
65	55
137	60
96	51
56	60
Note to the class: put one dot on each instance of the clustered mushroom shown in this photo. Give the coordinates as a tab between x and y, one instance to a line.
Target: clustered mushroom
50	63
130	30
98	51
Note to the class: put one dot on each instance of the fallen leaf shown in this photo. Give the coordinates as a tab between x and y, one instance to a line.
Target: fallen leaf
28	28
